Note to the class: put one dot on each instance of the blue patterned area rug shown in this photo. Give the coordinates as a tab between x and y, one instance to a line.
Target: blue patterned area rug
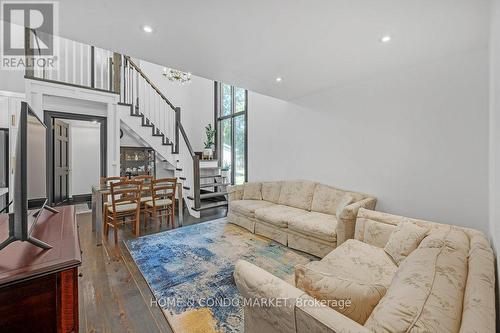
190	272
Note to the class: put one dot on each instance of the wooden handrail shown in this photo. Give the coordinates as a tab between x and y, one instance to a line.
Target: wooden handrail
196	167
149	82
184	135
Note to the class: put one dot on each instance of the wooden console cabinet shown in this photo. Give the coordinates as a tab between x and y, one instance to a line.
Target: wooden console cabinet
39	288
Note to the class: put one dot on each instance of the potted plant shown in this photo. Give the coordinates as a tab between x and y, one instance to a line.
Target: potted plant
208	152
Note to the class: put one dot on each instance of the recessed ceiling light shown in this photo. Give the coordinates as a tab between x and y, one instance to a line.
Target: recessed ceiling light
279	79
386	39
147	28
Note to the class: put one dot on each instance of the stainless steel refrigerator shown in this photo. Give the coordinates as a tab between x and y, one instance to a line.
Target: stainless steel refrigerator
4	168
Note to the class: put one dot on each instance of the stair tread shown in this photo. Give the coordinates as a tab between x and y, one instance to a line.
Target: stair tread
209	195
211	205
209	167
212	194
212	185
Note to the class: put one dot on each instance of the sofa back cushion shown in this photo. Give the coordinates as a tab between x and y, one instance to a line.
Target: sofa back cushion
391	221
426	294
252	191
376	233
404	240
271	191
298	194
326	199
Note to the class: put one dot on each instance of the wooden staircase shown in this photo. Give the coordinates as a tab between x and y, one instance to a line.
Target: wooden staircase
211	189
203	185
115	73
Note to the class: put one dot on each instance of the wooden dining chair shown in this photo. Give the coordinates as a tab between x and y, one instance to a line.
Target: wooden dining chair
146	187
125	203
162	204
107	181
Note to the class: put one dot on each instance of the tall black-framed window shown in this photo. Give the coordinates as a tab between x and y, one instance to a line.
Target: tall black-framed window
231	119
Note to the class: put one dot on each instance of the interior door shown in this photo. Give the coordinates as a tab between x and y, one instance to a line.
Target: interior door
61	161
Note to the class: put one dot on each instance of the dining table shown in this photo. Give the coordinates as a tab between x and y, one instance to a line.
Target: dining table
100	194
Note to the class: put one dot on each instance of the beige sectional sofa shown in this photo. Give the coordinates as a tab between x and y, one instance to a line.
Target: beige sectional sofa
304	215
399	275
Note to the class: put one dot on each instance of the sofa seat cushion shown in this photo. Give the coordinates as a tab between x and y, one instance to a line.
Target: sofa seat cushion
322	226
354	271
278	215
362	261
248	207
427	292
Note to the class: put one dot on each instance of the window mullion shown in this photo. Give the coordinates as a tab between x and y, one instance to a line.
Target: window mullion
233	151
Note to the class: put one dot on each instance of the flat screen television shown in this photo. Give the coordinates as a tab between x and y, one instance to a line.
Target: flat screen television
29	178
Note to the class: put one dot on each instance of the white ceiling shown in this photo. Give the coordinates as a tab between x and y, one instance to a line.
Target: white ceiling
312	44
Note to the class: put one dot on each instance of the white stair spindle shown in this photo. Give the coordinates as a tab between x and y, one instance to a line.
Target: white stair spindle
102	61
88	67
66	61
80	46
73	53
157	108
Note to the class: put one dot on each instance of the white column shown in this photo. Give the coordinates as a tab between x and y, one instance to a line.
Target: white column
113	137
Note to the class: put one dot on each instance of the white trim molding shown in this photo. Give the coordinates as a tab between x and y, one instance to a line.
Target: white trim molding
47	96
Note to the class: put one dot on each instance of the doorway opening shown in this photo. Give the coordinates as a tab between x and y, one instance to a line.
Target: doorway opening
76	156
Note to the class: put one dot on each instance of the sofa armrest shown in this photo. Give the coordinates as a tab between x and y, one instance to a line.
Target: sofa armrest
312	316
234	192
269	302
346	218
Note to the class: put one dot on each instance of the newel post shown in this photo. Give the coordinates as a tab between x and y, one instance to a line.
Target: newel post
117	64
196	181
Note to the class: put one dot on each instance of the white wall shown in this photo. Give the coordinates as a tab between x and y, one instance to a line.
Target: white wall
416	138
130	139
495	129
195	99
12	80
85	156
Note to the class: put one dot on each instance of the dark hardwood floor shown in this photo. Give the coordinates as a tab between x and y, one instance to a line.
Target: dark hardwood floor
113	295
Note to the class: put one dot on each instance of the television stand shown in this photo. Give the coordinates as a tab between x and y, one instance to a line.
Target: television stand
39	289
